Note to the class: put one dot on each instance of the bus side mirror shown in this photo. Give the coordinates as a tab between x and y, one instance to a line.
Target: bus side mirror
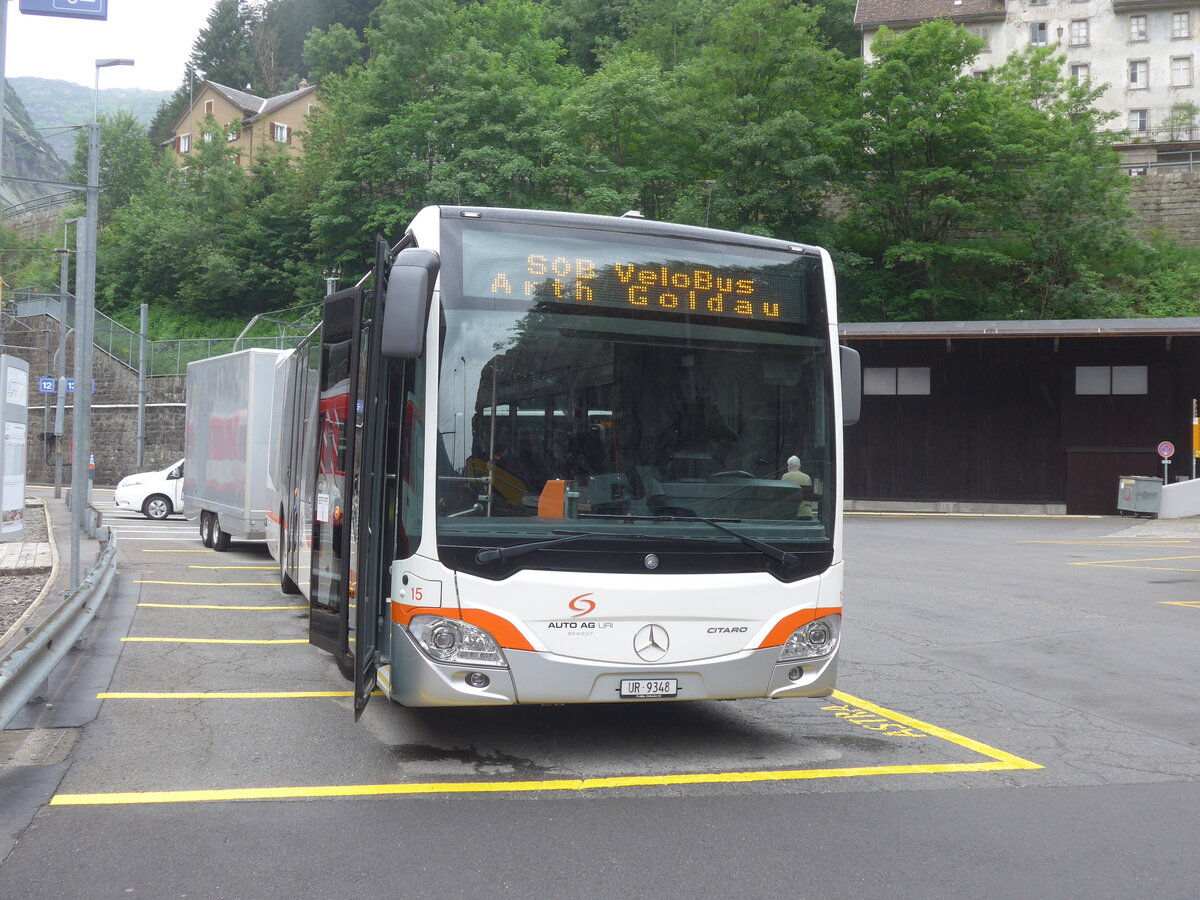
851	385
407	301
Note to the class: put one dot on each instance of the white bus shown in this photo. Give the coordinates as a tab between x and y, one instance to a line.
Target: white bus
540	457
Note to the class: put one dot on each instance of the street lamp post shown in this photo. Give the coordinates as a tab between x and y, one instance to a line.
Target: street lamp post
85	299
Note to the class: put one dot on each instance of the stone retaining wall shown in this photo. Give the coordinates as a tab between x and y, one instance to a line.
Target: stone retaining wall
1169	203
114	408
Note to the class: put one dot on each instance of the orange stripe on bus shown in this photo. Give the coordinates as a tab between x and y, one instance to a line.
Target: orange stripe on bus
507	634
783	629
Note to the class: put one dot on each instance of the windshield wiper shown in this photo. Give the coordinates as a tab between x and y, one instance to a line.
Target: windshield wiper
788	559
487	556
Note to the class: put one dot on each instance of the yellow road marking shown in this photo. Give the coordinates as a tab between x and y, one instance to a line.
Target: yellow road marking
1194	604
266	568
1123	563
999	761
159	640
214	606
1146	542
225	695
213	583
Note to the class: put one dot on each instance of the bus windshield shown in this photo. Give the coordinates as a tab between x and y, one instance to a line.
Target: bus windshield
568	405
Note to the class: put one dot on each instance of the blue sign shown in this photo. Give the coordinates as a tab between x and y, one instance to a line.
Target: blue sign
69	9
48	385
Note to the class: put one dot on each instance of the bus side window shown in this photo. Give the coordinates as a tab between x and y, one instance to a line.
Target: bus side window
412	456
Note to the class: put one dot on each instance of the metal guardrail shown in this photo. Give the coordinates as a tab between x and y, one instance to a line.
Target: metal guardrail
49	201
30	663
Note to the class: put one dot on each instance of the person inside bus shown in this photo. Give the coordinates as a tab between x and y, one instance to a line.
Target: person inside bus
793	475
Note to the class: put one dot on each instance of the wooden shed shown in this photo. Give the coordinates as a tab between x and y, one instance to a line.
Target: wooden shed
1040	416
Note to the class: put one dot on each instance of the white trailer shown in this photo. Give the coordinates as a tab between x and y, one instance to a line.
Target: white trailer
230	401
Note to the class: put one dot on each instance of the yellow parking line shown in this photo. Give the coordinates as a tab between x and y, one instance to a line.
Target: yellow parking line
224	695
214	606
159	640
1147	542
999	761
214	583
1194	604
1124	563
266	568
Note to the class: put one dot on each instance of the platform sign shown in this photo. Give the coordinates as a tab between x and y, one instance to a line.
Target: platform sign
47	385
14	404
67	9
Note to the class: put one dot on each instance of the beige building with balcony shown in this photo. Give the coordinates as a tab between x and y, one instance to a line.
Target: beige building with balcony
249	125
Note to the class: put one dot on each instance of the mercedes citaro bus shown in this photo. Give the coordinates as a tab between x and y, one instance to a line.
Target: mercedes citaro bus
542	457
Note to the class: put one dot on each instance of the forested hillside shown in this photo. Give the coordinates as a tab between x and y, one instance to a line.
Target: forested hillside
58	107
940	195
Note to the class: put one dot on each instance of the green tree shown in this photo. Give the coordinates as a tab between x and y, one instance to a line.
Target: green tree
761	98
976	198
127	161
222	51
332	51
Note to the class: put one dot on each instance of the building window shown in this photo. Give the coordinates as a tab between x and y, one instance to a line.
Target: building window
207	137
1137	29
1137	171
1038	2
1181	71
890	382
1139	121
185	143
1079	32
1038	34
280	132
1139	74
1105	380
1080	71
208	107
984	34
1181	25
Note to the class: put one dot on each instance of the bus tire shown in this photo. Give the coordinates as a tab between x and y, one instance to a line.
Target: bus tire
286	585
220	538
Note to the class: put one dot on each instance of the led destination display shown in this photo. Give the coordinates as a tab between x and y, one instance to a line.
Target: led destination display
637	278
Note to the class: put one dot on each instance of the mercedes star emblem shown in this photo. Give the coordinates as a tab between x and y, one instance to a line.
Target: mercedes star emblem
651	643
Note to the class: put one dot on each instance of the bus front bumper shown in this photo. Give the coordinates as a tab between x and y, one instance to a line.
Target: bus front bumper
541	678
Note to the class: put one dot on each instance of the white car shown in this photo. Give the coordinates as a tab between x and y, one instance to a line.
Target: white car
154	494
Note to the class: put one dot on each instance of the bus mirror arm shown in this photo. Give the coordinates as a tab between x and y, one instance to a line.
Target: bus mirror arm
851	385
407	300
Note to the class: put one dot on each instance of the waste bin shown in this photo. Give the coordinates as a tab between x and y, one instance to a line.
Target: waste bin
1139	494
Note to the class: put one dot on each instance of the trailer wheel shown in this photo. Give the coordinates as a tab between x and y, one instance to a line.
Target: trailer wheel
206	536
220	538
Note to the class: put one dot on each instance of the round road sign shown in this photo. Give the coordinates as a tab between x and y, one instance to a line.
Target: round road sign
1166	449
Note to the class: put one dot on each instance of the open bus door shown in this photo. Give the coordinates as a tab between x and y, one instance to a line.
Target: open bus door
376	479
359	414
332	579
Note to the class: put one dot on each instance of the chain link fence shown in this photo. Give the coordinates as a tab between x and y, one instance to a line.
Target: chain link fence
163	357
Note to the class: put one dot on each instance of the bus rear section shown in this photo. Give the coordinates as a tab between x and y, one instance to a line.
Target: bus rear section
598	460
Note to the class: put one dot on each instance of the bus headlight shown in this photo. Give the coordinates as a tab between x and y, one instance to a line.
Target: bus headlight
452	641
816	639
